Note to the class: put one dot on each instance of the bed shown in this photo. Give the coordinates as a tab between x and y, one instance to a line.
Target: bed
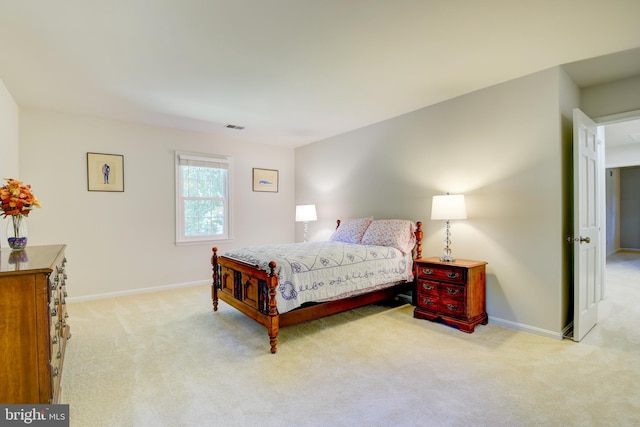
365	261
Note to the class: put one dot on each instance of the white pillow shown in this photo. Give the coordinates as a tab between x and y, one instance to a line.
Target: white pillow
351	230
398	233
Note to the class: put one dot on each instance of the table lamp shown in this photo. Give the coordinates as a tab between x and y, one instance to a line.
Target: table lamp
448	207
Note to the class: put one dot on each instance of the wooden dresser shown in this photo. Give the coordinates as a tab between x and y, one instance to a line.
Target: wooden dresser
452	291
33	324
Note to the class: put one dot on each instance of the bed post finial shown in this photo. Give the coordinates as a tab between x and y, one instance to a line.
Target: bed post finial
419	234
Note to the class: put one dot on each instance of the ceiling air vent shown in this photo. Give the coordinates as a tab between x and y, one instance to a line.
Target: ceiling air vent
236	127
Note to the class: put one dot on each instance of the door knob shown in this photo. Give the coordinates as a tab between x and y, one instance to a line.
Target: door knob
579	239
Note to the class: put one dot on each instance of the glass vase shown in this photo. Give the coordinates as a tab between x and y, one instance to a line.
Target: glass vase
17	232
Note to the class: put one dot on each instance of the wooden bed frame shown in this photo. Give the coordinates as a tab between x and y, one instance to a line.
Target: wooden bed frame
253	292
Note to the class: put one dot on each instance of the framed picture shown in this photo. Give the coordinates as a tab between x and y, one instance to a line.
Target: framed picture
105	172
265	180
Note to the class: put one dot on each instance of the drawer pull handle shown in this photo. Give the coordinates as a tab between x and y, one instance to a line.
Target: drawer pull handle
452	307
452	275
453	291
427	271
427	302
428	287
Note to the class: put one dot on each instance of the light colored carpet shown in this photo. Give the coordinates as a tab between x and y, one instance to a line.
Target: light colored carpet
166	359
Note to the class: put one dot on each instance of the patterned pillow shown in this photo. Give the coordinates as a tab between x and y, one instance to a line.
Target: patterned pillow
351	230
398	233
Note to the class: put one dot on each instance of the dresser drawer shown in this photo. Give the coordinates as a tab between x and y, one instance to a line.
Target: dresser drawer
441	273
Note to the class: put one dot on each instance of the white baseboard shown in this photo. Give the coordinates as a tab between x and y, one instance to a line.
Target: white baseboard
525	328
136	291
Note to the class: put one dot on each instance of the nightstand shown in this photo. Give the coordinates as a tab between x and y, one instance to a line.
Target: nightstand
451	291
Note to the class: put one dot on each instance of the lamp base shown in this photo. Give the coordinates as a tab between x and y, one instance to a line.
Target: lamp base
447	258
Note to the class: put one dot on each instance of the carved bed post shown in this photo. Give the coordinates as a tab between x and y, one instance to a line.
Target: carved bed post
419	234
215	284
274	319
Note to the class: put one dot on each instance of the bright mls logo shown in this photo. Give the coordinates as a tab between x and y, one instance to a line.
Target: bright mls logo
37	415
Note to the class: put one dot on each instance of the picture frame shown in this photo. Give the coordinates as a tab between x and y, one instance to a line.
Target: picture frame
105	172
265	180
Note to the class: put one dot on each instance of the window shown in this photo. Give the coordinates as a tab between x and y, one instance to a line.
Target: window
202	197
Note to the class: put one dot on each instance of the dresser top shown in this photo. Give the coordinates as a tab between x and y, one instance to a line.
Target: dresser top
30	260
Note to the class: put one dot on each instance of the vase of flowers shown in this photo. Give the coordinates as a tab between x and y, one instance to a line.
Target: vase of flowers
16	201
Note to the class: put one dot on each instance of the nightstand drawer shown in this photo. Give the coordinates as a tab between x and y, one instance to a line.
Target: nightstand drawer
453	308
448	274
428	302
455	292
427	287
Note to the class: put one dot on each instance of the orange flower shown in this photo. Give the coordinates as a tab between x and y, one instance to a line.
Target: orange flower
16	198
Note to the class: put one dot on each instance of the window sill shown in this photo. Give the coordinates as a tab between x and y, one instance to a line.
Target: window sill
203	242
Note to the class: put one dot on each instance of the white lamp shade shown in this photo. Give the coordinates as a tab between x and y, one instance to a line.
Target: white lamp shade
306	213
448	207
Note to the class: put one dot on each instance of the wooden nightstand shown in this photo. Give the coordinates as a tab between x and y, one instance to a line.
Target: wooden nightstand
452	291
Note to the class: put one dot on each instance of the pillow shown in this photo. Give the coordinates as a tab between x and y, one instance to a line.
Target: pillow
351	230
398	233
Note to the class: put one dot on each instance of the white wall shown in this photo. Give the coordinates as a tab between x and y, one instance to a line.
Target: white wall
8	134
505	149
611	98
622	155
9	143
119	242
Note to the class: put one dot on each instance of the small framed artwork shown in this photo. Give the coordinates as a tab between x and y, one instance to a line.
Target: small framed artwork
105	172
265	180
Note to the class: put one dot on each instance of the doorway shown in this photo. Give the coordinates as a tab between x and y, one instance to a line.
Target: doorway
622	152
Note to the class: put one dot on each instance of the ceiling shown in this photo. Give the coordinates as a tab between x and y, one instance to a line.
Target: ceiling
293	72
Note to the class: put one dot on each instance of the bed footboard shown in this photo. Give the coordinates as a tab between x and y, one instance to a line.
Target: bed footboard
248	289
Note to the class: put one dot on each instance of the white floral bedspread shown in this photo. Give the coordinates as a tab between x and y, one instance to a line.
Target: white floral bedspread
324	271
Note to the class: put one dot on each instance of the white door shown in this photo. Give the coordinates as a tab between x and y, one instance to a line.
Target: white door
587	265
